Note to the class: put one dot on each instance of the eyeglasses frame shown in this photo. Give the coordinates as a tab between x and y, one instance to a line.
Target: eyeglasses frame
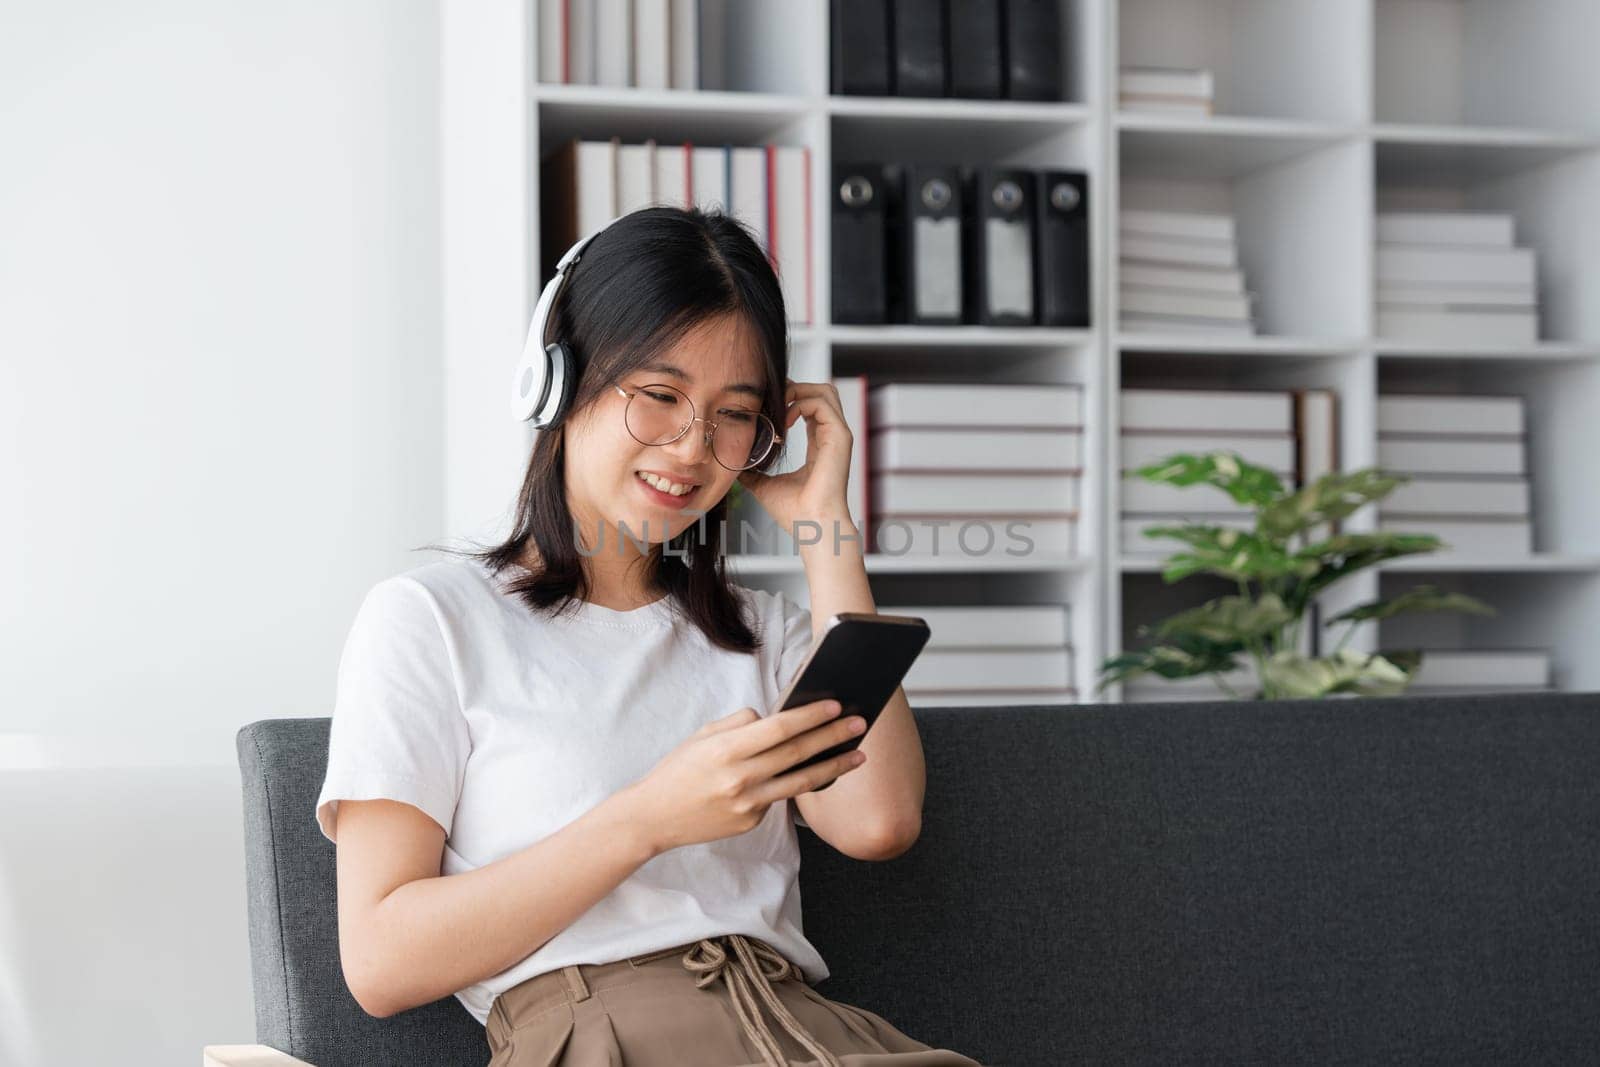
777	438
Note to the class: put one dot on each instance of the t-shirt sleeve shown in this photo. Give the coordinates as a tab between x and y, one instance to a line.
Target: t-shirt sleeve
398	732
796	646
796	640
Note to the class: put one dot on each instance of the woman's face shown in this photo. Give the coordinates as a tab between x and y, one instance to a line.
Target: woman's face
717	366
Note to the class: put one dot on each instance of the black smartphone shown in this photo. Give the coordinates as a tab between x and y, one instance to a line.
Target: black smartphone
859	662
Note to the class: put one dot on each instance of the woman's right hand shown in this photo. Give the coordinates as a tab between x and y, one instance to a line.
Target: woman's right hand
721	780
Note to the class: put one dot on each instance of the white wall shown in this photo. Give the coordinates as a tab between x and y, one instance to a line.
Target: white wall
220	422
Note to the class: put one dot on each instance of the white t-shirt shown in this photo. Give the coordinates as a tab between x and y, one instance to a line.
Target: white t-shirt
504	726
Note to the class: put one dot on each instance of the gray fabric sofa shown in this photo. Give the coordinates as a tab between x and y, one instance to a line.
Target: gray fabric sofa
1410	880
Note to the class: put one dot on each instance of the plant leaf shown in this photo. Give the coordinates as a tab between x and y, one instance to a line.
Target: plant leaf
1185	656
1344	554
1422	598
1407	659
1331	497
1290	674
1230	553
1228	620
1245	482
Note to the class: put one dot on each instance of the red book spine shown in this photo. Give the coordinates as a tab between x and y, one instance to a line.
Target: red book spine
811	316
772	205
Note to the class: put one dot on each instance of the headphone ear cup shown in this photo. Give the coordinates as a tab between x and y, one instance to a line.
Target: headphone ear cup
563	384
530	387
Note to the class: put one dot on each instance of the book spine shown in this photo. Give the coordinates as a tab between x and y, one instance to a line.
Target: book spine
1202	410
1471	415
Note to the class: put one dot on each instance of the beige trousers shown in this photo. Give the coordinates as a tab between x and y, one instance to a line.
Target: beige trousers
730	1001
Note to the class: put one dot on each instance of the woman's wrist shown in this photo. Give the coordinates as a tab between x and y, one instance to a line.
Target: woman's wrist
632	821
828	534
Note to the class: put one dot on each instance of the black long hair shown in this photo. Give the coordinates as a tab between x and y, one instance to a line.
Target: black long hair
643	283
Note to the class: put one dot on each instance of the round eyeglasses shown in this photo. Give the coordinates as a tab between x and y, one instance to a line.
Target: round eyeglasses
660	414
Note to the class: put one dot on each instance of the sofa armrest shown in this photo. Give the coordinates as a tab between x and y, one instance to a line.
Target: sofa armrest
248	1056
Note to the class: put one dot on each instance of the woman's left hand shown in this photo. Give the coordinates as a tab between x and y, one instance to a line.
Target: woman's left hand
815	491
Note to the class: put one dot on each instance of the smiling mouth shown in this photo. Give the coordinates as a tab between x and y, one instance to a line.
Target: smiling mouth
640	478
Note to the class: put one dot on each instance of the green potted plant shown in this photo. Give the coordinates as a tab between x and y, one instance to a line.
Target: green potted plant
1280	565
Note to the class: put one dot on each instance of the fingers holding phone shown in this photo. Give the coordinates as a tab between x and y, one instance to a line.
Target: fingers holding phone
794	738
859	661
801	751
721	780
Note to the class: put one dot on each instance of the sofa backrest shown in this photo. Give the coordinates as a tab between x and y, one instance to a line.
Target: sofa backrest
1351	881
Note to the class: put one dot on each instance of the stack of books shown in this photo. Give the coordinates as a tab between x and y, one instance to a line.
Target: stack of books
1481	670
974	470
1011	654
1468	461
1166	90
1179	273
852	390
1259	426
646	44
1455	278
586	184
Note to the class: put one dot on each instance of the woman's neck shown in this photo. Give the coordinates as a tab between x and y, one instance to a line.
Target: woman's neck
616	583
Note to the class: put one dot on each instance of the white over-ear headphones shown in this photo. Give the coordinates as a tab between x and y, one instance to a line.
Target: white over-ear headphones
547	375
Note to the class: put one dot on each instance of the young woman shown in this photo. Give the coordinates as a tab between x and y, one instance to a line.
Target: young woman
554	779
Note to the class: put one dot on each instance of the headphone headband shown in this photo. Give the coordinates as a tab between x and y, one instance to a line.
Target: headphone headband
547	374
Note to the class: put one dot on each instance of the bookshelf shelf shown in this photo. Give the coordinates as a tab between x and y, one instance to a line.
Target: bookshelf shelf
1452	563
907	109
1543	351
960	336
1454	135
1324	116
1239	126
1261	344
878	563
605	101
651	117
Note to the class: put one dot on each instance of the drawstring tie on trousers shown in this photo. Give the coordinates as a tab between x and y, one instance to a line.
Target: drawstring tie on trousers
747	976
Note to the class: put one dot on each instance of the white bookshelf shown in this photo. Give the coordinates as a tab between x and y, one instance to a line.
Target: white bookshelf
1327	111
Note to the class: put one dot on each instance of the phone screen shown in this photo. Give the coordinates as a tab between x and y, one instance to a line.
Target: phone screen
859	662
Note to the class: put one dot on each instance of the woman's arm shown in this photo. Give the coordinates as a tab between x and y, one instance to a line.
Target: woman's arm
875	811
408	936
